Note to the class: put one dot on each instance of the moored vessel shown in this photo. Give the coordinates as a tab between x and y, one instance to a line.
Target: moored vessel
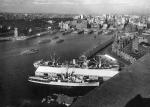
79	73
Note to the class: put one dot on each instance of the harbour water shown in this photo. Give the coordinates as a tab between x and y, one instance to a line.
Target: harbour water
15	68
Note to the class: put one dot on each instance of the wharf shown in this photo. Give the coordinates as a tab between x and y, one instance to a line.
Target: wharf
107	41
24	37
105	45
38	34
5	38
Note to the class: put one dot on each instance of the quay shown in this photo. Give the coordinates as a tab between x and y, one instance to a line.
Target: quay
25	37
5	38
99	47
105	45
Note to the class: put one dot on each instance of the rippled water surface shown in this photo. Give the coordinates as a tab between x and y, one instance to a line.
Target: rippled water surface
15	68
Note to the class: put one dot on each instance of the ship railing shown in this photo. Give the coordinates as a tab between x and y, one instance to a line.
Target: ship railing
103	67
40	79
47	80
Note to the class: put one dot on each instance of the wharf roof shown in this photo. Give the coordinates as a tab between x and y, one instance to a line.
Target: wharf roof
78	71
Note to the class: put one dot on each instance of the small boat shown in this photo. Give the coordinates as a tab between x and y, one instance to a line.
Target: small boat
80	31
30	51
56	37
60	41
44	41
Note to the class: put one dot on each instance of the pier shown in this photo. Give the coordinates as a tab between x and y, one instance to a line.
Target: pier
100	46
25	37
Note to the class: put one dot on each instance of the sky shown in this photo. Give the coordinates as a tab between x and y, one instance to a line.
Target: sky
75	6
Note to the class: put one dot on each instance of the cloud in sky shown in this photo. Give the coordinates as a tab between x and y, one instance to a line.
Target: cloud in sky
84	2
74	5
67	2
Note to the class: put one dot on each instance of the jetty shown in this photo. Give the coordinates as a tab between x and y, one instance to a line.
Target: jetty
97	48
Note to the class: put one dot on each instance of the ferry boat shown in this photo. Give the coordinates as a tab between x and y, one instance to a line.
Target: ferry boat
85	73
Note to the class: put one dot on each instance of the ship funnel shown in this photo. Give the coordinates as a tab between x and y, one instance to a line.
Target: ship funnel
74	61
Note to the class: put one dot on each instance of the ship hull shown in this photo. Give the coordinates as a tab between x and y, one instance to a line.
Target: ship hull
67	84
67	90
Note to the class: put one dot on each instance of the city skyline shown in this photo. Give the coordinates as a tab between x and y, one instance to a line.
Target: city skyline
76	6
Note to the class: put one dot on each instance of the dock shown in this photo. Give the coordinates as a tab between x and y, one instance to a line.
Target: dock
24	37
99	47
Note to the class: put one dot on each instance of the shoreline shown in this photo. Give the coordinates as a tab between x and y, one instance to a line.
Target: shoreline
12	38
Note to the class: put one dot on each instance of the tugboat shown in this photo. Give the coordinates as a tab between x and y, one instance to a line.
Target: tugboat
79	73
